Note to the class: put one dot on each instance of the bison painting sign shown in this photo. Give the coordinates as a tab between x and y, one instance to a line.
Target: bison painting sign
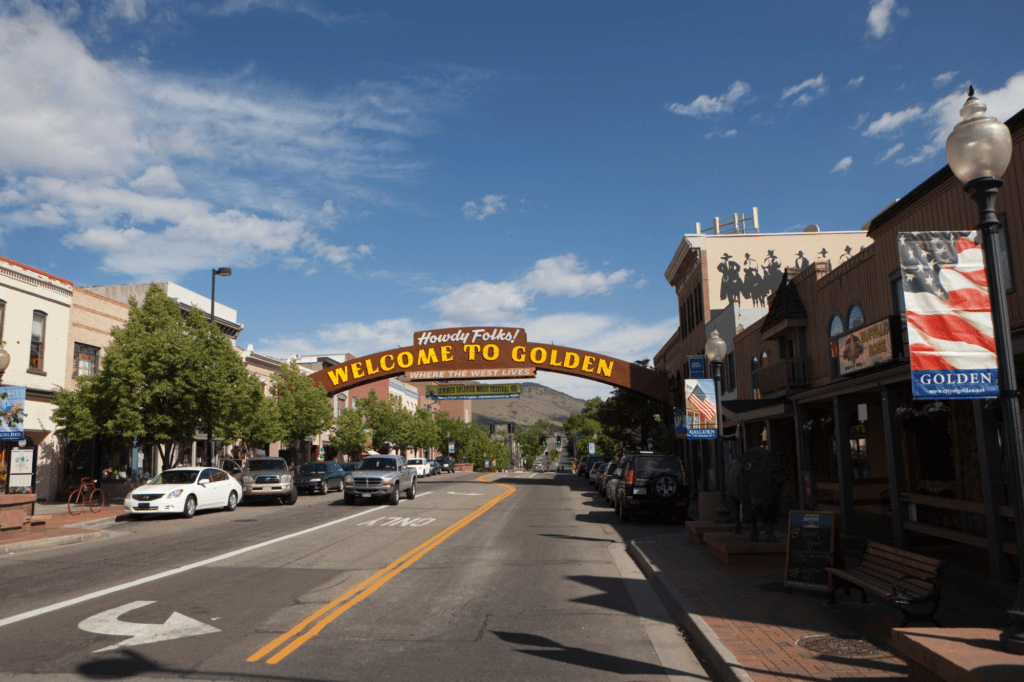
483	353
949	318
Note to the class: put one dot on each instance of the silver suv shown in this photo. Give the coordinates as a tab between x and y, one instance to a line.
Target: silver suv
269	477
381	476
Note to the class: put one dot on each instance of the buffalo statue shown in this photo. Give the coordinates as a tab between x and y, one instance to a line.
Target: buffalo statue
755	481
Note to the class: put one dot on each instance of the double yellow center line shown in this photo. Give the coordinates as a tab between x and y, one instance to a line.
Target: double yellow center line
311	626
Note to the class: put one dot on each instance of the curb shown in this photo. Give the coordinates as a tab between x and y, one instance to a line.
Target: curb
44	543
718	655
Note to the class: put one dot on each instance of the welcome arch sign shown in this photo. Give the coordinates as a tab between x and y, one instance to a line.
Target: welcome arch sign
488	353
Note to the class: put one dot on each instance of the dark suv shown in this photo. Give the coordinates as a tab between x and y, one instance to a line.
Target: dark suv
320	477
652	482
446	463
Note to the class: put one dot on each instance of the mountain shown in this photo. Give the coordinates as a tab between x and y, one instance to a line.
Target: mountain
535	402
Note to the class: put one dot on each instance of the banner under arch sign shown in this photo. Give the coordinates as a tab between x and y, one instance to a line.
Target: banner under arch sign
949	317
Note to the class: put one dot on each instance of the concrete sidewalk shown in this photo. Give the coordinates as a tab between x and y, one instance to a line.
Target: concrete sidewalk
62	528
749	628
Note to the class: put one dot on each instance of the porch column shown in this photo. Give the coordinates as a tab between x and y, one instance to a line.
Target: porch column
847	522
992	492
193	453
773	435
803	457
895	466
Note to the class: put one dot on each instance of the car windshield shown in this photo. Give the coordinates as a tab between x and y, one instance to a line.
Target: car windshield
349	466
648	466
415	461
175	477
595	464
314	468
266	465
378	463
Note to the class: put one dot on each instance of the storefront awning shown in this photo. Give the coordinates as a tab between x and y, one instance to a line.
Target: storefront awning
749	410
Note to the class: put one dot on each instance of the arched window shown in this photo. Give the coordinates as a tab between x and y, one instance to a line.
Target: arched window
755	365
855	318
835	327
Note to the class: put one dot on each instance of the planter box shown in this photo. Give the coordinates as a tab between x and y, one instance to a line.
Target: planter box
15	511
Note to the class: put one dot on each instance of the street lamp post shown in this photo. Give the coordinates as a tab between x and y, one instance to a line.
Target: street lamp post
978	151
5	362
715	350
223	272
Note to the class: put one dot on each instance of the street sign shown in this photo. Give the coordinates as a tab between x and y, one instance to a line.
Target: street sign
695	366
108	623
592	449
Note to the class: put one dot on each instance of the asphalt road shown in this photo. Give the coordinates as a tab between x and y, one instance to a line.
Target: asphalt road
518	576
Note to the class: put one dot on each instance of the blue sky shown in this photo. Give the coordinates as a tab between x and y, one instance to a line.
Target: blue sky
372	169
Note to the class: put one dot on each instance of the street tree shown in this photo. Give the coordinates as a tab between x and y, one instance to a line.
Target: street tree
304	406
348	433
382	419
254	419
163	379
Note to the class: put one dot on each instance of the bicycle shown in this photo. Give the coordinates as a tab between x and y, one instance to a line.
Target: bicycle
96	498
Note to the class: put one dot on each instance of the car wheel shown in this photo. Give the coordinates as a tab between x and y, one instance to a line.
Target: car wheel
350	499
665	486
410	494
293	498
393	498
190	507
323	488
232	501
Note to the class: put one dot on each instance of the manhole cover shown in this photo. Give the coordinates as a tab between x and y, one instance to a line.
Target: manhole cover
839	646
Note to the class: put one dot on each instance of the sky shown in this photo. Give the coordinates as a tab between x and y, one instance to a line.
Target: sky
373	169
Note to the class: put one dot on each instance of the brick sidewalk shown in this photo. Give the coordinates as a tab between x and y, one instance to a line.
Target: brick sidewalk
756	624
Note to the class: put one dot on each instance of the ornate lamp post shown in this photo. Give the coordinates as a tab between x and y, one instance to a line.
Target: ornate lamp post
715	350
223	272
5	362
978	151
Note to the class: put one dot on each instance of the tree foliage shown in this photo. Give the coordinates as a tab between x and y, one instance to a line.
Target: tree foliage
304	406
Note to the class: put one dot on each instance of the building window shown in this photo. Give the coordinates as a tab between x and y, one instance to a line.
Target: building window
730	372
855	318
899	306
35	350
835	330
87	361
754	366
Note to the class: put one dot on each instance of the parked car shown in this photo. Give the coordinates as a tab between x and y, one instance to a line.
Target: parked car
602	474
435	468
653	482
611	484
185	491
320	477
592	467
446	463
421	466
348	466
233	467
380	476
581	465
269	477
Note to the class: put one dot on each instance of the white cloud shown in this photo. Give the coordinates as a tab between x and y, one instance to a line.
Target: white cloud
855	82
484	302
891	122
639	284
489	205
364	339
157	180
815	88
944	78
895	149
311	9
880	17
100	145
860	120
843	165
728	133
707	106
328	207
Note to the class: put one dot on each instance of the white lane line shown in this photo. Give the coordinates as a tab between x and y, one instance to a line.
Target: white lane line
174	571
465	493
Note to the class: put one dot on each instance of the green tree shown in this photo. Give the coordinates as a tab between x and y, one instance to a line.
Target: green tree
254	419
420	430
304	406
530	439
163	379
348	433
383	419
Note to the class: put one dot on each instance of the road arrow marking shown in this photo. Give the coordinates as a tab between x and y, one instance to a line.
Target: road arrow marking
107	623
465	493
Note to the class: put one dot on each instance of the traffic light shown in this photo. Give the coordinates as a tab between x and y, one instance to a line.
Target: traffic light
559	441
544	441
511	428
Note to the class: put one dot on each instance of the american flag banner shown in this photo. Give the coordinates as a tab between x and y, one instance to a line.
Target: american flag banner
700	399
949	317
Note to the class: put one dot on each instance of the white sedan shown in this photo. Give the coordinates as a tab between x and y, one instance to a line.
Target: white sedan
184	491
421	466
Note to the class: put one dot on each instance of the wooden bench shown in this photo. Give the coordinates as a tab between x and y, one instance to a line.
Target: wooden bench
909	581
